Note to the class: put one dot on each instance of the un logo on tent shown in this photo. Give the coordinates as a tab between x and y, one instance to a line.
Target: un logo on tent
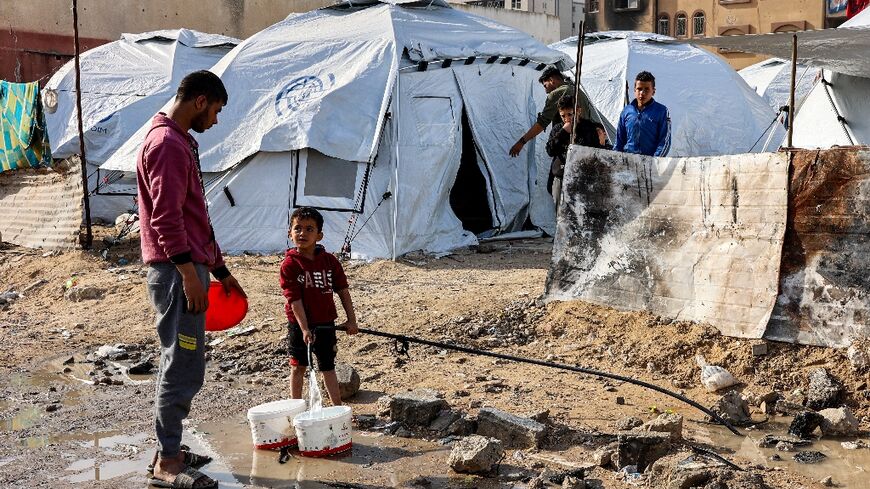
299	91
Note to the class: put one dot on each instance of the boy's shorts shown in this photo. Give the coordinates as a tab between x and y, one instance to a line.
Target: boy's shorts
324	347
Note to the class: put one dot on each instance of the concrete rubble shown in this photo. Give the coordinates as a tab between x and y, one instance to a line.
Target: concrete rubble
475	454
804	424
641	448
348	380
79	293
733	408
838	422
513	431
824	390
417	408
666	423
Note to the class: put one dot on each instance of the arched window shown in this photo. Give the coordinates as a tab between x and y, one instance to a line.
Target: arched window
699	24
663	26
681	21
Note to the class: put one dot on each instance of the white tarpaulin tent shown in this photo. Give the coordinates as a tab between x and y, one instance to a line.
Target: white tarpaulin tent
713	111
123	84
835	111
394	115
771	79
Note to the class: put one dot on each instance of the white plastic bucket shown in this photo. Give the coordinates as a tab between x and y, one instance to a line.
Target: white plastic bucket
325	432
270	423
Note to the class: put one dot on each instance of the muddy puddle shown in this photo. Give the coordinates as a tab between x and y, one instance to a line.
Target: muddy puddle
374	461
848	468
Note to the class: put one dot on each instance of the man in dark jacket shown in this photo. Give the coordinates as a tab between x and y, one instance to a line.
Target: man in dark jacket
586	134
556	86
644	125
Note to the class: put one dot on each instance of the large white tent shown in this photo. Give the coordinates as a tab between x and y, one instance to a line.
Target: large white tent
123	84
771	79
835	113
713	111
394	117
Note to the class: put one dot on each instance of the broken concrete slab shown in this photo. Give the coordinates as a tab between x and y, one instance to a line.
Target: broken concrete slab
682	471
824	390
443	421
838	422
475	454
513	431
666	423
628	423
809	457
641	448
770	441
416	408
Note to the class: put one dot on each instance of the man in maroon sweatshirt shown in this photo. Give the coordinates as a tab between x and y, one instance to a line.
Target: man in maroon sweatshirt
178	244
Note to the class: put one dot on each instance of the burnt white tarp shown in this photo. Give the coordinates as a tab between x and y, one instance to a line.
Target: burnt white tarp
694	239
824	286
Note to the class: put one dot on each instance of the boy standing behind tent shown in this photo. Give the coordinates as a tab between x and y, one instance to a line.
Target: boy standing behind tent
644	125
309	278
556	86
178	244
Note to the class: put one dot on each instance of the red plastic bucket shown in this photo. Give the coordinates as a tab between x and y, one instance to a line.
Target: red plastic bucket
224	311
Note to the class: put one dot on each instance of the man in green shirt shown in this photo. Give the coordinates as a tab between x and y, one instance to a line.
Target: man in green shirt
555	85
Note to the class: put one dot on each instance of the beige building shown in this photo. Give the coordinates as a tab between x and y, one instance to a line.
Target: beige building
687	19
569	14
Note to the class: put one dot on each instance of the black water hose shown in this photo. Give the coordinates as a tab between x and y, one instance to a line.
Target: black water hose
588	371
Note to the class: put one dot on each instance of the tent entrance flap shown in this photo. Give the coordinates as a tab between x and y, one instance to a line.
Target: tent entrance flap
469	197
327	183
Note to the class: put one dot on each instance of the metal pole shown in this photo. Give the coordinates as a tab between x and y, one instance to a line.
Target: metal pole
581	41
89	237
791	110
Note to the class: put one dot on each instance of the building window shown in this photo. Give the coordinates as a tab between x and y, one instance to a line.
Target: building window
699	24
681	21
663	26
516	4
592	6
626	4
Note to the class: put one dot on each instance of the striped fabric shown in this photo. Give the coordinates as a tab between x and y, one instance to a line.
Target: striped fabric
23	140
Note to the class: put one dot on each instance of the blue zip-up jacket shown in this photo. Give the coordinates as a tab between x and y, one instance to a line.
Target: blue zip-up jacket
645	132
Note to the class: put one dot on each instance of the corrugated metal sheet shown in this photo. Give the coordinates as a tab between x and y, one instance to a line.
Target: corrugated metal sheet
825	285
689	238
42	208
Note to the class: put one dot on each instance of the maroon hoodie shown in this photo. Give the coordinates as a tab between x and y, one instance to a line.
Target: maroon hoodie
172	210
313	281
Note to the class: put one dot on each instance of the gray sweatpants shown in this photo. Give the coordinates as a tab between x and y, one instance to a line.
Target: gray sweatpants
182	352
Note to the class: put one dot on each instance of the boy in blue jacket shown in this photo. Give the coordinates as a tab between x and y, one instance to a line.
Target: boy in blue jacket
644	125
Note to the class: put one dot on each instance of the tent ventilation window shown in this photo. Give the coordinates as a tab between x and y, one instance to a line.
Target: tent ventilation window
327	183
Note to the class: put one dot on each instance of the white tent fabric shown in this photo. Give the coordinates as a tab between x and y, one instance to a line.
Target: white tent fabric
333	101
772	80
835	111
713	111
123	84
279	77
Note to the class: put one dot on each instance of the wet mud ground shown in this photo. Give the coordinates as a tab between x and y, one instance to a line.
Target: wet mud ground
58	430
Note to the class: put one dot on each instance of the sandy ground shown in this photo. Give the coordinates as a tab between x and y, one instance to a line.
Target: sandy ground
485	299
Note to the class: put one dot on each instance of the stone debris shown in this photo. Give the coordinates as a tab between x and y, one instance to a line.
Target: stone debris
857	354
141	368
854	445
445	418
785	446
838	422
803	424
348	380
78	293
513	431
824	390
628	423
111	352
641	448
416	408
35	285
770	441
828	482
666	423
680	471
475	454
733	408
606	455
514	325
809	457
7	298
571	482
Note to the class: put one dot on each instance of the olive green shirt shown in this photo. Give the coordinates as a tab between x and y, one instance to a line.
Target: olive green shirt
550	114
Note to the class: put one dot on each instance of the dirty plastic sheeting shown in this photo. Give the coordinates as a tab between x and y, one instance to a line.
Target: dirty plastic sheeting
694	239
824	297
